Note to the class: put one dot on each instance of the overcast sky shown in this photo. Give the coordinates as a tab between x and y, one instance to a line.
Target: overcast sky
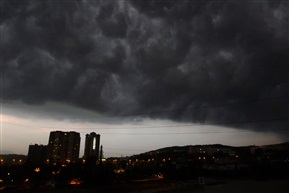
144	74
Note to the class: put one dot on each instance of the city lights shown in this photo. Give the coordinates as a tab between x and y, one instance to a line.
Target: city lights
37	170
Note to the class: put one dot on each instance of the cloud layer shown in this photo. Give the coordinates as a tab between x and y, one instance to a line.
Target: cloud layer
135	57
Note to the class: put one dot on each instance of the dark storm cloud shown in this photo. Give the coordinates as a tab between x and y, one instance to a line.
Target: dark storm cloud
127	57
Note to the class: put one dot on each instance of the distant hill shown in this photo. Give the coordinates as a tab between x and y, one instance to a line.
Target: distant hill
277	146
215	146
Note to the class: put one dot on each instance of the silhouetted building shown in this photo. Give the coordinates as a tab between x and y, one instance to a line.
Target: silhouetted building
63	146
92	142
37	153
101	153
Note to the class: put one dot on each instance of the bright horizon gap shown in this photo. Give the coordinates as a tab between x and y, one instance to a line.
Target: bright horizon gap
191	134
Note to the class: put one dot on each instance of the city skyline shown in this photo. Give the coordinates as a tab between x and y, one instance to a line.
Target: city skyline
144	74
123	152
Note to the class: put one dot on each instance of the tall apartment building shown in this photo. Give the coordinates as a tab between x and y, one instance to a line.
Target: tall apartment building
63	146
37	153
91	149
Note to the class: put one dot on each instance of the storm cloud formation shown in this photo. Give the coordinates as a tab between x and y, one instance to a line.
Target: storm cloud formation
192	61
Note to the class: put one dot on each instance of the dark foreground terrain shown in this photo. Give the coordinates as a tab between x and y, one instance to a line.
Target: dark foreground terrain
210	186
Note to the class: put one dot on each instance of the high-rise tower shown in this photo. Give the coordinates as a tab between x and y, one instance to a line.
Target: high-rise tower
37	153
63	146
92	142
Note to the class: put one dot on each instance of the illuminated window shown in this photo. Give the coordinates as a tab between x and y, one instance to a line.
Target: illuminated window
94	143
